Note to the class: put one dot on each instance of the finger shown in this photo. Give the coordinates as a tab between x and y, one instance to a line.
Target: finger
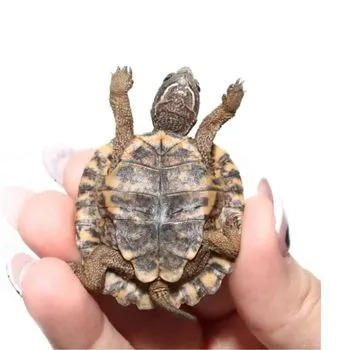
221	304
43	220
230	333
66	313
74	170
66	166
278	299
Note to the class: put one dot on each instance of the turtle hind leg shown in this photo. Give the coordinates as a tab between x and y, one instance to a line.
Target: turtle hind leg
212	123
226	241
93	271
159	294
121	83
194	267
227	246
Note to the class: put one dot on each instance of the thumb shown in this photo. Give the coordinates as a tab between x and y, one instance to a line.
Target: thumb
277	298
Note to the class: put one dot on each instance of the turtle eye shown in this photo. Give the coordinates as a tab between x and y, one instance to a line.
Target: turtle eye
168	76
198	87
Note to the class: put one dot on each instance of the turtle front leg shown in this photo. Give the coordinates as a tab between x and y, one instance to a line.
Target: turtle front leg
212	123
226	241
121	83
92	271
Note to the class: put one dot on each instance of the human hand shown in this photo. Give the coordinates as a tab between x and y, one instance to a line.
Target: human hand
268	301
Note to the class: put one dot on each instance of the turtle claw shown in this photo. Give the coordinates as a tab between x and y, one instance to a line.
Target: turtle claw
233	97
121	81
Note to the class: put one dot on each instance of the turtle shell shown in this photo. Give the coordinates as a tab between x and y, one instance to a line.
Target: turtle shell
153	206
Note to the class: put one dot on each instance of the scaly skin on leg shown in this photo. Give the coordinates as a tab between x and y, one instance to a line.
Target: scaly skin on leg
195	266
212	123
226	244
159	294
226	241
92	272
121	83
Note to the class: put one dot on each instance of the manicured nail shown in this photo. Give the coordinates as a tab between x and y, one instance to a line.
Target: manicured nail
282	227
16	269
12	200
264	189
55	159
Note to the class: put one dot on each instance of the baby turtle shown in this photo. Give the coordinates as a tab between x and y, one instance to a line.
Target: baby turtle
158	215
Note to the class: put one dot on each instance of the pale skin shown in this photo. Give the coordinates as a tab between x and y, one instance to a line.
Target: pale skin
276	305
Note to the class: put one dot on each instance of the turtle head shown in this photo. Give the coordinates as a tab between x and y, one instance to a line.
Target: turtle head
176	104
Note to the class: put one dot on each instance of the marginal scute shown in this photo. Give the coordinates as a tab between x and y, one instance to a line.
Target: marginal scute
126	292
207	282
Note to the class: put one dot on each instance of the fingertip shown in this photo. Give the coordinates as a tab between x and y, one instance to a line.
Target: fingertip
73	171
65	166
272	293
60	305
258	225
49	286
16	268
12	200
259	270
45	225
55	159
66	313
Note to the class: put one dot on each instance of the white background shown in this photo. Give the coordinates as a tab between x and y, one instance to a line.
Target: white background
56	60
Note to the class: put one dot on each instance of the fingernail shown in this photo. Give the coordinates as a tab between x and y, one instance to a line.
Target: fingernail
17	268
12	200
282	226
264	189
55	159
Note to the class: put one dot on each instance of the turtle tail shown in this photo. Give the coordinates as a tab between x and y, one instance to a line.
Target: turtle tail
159	294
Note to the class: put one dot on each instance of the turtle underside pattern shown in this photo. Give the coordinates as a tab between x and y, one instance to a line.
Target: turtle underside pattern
153	207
